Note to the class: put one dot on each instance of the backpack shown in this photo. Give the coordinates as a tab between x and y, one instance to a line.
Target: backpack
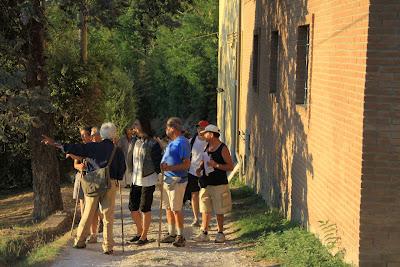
97	182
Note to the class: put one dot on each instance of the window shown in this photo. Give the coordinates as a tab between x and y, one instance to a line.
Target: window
255	61
303	50
273	64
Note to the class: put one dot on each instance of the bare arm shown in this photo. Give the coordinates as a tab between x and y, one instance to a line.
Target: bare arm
185	165
74	157
78	166
228	166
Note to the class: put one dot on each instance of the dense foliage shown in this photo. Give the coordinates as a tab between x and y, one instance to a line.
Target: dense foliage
153	58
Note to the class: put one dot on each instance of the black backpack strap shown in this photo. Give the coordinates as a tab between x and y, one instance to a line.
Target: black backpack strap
112	156
206	149
192	141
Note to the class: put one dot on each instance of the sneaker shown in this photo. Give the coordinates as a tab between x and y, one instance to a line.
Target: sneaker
141	242
202	237
220	238
168	239
110	252
134	239
92	239
195	223
179	241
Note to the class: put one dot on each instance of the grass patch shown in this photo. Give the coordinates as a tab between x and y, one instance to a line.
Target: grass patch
19	236
46	253
11	248
297	247
275	237
15	243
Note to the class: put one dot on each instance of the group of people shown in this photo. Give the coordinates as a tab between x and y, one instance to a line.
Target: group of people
197	167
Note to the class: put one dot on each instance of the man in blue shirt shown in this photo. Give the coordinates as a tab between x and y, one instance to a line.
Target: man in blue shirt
175	164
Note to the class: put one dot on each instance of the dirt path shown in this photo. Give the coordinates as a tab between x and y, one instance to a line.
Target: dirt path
194	254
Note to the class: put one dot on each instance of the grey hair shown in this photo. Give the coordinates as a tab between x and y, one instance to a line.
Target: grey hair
108	130
175	122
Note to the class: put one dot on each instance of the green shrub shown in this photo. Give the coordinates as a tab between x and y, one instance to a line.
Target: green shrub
275	237
296	247
12	248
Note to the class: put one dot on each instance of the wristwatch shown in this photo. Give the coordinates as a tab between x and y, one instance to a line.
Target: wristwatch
217	166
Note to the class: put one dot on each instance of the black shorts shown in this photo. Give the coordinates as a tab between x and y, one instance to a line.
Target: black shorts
193	184
141	197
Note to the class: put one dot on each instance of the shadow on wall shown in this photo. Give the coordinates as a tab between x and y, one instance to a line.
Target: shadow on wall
279	158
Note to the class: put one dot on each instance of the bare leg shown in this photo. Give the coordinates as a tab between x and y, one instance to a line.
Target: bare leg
137	218
220	221
178	215
205	220
170	217
146	225
195	205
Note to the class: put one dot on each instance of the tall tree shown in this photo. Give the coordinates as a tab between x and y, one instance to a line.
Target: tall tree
26	107
45	169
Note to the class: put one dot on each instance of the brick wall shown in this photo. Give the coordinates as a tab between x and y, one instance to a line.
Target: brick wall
380	197
307	160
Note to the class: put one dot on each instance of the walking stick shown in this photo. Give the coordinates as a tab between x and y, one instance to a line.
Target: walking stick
160	214
122	217
76	203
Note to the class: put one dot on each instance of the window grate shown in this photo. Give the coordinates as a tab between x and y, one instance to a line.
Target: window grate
302	67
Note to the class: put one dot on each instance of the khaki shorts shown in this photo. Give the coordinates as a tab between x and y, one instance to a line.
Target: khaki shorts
215	198
173	199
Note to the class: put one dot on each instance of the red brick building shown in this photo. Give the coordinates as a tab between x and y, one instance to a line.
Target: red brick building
309	103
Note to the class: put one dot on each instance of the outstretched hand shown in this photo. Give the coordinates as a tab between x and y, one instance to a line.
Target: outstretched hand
47	140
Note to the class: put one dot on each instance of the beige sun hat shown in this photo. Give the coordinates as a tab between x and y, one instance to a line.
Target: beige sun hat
210	128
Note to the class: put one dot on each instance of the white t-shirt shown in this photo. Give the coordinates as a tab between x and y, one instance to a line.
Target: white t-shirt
197	155
137	178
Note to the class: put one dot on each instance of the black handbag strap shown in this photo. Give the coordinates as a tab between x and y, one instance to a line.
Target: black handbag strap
112	156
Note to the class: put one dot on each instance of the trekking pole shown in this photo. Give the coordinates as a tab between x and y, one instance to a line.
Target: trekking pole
76	203
160	214
122	217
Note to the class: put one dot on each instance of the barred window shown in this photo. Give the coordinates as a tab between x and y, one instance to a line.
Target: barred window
303	51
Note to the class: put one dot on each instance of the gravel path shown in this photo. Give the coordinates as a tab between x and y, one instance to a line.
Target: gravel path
194	254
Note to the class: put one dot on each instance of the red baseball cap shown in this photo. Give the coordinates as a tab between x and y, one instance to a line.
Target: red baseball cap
202	124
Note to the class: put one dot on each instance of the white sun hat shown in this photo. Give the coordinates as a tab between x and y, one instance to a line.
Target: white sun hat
210	128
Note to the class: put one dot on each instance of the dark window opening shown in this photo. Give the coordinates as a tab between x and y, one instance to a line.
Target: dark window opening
255	61
273	67
302	66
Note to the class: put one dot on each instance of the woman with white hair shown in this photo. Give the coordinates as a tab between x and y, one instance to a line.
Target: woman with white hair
98	155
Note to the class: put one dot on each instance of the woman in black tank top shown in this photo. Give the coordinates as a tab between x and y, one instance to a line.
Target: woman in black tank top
215	194
218	176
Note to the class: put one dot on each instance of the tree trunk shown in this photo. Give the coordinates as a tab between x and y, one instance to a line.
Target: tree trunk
45	171
84	12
